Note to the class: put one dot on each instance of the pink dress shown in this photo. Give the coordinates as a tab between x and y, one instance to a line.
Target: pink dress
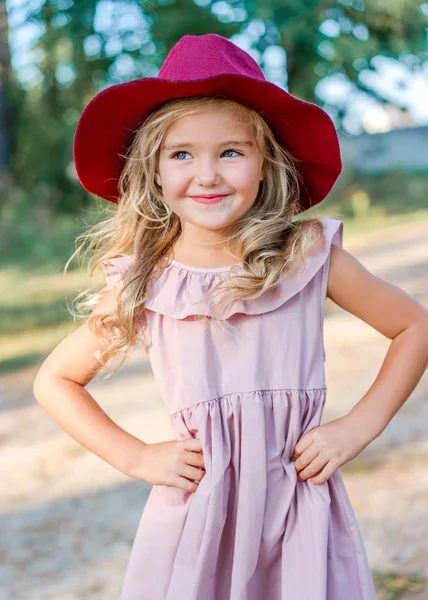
251	531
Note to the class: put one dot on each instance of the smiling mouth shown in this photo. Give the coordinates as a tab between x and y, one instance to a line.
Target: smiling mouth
207	195
209	199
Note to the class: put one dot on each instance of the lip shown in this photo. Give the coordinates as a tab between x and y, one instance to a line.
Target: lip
209	199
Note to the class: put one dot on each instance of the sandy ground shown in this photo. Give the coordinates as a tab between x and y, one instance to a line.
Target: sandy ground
68	519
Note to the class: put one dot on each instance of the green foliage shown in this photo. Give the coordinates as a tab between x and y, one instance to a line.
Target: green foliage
32	235
46	115
391	585
75	59
341	36
359	194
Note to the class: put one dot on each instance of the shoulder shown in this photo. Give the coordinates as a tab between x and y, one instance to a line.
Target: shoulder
328	232
345	271
116	269
379	303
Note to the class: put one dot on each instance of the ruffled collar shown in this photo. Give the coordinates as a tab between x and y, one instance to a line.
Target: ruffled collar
178	290
180	265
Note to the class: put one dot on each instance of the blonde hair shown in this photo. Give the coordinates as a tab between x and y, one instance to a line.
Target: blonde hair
142	224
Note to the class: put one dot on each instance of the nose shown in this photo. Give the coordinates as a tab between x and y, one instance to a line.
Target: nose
206	173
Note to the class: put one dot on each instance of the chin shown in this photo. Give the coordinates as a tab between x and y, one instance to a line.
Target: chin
211	224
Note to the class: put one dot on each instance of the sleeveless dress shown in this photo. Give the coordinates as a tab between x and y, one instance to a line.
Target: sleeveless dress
251	531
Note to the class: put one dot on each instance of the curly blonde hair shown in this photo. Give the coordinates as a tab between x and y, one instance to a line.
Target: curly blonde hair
267	239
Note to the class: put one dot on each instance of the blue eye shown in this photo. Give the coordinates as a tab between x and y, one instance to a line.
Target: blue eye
184	152
230	150
179	152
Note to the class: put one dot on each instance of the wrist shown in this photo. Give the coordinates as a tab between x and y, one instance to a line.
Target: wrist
364	429
134	461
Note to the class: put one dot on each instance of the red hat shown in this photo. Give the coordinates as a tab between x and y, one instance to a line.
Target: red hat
204	65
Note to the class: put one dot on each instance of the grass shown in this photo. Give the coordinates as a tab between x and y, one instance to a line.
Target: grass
355	229
30	347
397	586
35	317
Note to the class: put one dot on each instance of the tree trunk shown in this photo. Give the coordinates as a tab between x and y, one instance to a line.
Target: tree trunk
5	116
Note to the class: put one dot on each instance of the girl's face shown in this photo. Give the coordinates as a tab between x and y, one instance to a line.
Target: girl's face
213	154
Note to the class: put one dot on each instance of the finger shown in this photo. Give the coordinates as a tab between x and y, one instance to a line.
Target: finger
186	485
192	444
197	460
307	457
192	473
324	475
313	468
304	442
194	458
301	449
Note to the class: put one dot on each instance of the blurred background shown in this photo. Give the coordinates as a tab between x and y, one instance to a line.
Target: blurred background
67	518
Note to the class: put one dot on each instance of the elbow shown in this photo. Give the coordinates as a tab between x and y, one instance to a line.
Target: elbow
419	322
422	325
42	384
420	329
38	386
425	334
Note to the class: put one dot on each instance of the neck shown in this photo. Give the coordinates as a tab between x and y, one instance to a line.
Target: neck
206	248
202	258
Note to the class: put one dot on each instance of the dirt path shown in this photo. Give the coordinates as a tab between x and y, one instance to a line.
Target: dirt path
68	519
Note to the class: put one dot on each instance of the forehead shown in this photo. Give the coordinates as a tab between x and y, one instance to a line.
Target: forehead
244	143
209	126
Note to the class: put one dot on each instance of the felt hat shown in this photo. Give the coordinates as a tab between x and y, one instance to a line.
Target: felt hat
204	65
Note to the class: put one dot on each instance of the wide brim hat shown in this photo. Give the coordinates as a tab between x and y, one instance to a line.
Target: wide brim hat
204	65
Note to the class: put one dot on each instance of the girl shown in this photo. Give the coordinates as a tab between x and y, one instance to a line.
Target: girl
208	165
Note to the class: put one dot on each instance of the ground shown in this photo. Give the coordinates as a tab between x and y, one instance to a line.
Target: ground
68	518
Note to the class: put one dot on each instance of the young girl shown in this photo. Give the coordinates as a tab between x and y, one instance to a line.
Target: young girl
207	166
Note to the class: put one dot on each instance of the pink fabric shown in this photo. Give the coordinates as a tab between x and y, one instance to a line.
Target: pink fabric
251	531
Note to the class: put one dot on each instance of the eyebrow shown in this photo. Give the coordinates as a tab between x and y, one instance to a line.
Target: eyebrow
227	143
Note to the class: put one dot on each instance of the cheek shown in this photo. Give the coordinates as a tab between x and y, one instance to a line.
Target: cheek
245	179
171	174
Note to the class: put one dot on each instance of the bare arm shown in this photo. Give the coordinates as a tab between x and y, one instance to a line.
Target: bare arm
59	387
395	314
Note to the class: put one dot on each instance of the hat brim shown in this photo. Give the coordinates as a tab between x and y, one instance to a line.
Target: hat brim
107	124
